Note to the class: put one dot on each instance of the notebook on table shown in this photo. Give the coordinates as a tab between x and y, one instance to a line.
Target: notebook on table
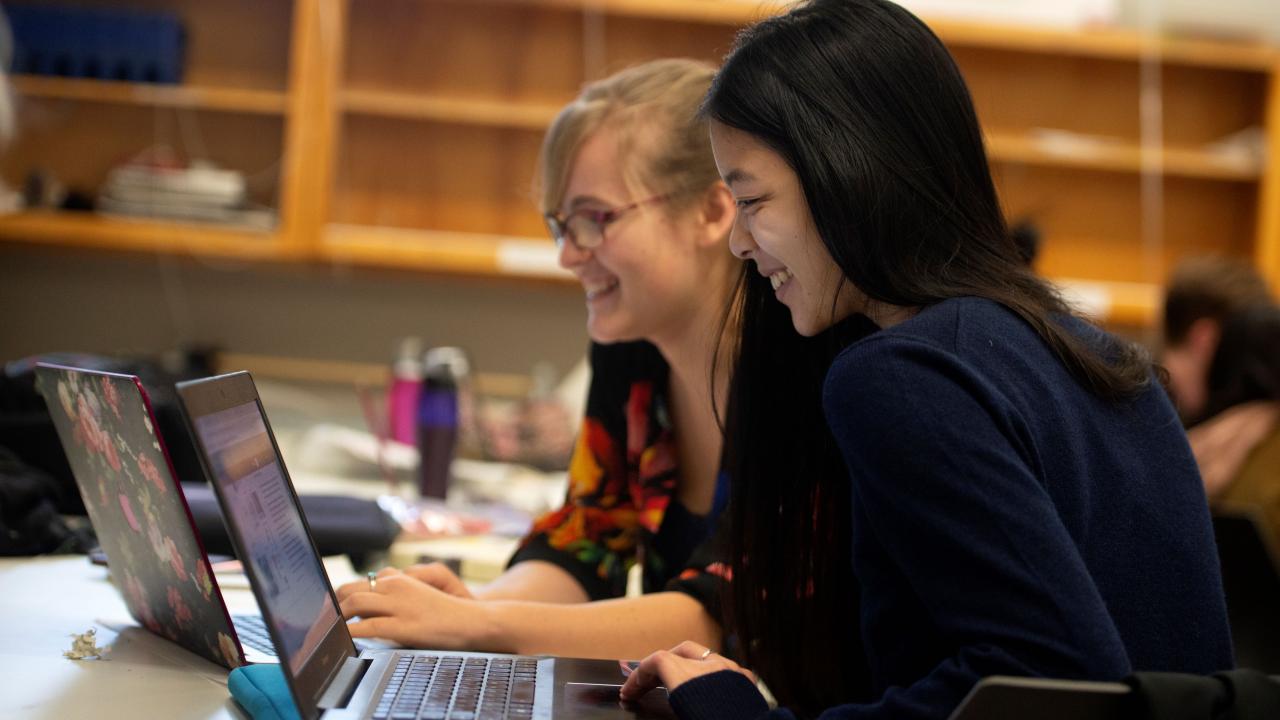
326	674
137	508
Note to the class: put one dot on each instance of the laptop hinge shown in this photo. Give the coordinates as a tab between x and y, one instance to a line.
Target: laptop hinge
344	684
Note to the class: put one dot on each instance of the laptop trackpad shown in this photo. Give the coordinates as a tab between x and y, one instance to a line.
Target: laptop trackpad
592	700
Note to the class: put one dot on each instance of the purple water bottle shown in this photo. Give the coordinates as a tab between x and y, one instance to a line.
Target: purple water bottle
443	370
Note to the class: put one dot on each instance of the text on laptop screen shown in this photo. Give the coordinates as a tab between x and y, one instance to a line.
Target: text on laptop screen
295	590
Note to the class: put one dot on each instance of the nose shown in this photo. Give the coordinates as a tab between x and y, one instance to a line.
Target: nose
741	244
570	255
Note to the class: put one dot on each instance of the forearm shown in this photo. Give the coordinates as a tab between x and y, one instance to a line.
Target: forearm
610	629
534	581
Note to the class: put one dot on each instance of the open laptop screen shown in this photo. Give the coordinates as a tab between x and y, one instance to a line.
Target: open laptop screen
295	591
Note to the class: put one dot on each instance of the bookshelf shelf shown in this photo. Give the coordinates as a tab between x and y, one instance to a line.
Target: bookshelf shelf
1120	157
89	230
455	253
241	100
446	109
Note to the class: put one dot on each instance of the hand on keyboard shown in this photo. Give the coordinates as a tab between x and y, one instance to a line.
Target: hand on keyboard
413	613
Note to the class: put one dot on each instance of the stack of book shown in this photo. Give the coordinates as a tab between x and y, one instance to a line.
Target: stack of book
196	192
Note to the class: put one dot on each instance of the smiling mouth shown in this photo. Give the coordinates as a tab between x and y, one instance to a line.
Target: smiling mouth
597	289
780	278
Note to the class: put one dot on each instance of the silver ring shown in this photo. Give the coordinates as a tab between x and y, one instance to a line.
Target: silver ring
373	581
705	654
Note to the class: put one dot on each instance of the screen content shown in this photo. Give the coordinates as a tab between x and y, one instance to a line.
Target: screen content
294	587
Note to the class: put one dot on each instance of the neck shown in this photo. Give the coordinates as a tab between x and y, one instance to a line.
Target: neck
886	316
691	348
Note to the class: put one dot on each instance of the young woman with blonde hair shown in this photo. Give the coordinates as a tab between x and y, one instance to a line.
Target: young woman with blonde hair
631	195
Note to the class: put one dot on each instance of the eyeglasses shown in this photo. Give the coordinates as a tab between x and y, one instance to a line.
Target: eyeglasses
585	227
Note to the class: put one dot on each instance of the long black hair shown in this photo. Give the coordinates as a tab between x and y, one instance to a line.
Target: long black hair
869	110
793	602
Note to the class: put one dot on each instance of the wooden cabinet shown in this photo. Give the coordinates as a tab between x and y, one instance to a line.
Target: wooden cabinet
233	108
404	133
1123	186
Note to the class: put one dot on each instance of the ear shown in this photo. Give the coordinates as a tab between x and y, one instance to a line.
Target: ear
1202	339
717	212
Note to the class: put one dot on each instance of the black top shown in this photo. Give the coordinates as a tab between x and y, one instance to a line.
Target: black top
620	508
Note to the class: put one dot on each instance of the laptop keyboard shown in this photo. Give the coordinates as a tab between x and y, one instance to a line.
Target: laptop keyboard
458	688
253	633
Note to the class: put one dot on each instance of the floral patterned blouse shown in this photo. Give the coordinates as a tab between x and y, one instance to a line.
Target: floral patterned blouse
620	506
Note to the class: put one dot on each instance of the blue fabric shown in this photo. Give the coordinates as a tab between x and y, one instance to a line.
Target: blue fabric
1008	521
263	692
705	698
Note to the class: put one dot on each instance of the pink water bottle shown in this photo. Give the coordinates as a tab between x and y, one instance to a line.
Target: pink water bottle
406	385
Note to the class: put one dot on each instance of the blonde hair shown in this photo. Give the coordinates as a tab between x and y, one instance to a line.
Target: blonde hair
663	142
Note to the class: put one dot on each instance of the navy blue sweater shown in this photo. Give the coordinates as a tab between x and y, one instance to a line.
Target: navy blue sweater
1006	520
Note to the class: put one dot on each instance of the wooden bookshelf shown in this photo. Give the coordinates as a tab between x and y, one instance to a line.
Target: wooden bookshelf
232	109
1116	43
404	134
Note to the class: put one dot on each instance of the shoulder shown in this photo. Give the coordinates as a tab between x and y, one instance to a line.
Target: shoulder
960	351
934	335
979	334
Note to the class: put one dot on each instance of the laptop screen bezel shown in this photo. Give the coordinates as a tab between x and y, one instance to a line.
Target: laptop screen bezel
205	397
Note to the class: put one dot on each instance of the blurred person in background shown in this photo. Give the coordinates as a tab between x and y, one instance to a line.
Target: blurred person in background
630	192
1221	378
1201	295
1237	445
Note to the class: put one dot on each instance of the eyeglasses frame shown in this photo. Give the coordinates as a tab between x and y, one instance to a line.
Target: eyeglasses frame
558	225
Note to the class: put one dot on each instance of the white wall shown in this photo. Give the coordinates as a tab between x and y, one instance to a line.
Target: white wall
52	299
1247	18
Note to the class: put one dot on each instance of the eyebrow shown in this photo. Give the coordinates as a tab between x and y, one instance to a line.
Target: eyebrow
737	175
580	200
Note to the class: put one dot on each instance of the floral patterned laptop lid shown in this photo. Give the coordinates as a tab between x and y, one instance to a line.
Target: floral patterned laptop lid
137	508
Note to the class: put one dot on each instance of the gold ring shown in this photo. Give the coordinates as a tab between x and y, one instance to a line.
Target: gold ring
705	654
373	581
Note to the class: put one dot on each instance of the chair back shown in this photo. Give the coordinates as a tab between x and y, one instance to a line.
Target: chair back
1251	581
1001	697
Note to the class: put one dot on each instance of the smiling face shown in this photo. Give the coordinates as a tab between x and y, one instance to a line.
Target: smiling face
643	281
775	229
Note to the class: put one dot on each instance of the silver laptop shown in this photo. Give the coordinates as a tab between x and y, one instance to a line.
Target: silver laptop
324	671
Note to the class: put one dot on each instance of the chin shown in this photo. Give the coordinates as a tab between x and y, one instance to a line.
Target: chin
606	334
807	327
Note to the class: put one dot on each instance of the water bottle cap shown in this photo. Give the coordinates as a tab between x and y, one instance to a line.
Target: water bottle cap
408	362
452	360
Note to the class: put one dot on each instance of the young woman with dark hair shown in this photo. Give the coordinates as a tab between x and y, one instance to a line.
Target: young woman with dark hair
1006	488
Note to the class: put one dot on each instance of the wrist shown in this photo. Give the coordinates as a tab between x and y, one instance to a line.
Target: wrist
497	626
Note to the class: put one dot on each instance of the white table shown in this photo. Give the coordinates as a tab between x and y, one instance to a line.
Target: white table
44	601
